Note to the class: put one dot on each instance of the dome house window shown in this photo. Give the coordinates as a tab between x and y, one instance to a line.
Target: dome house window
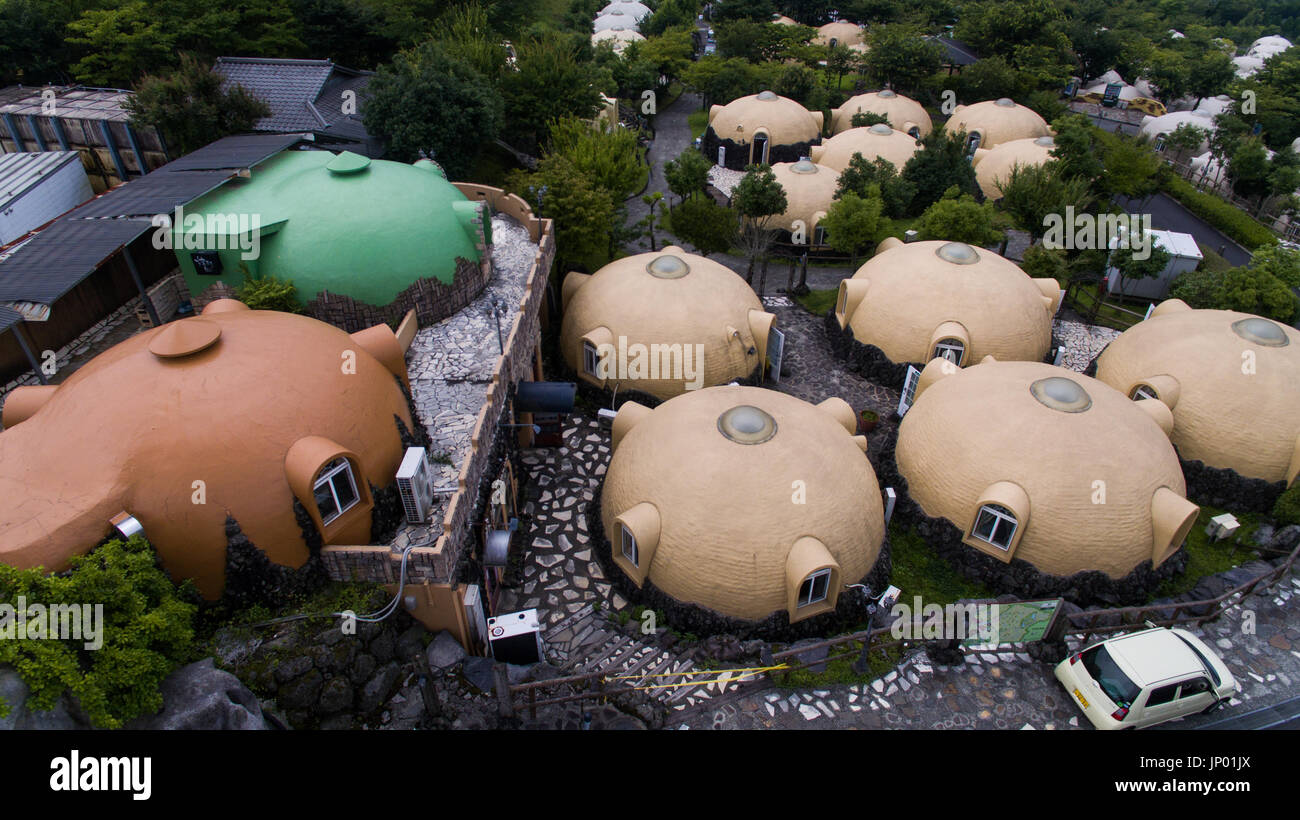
815	587
951	349
995	525
590	358
335	490
629	547
1143	391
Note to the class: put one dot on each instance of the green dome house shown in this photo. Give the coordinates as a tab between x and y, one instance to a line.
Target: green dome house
362	240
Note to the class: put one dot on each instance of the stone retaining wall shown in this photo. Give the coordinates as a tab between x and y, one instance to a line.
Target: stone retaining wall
867	360
438	563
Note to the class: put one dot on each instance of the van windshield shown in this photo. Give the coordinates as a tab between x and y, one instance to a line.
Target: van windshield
1103	669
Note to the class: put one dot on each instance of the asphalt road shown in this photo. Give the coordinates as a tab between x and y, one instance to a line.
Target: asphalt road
1169	214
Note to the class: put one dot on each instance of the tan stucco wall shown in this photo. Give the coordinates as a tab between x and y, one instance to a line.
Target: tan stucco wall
837	152
785	121
910	292
698	308
975	427
808	196
997	124
1227	418
728	521
995	165
899	109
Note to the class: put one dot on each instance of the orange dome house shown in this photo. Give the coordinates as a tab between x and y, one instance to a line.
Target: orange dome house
279	421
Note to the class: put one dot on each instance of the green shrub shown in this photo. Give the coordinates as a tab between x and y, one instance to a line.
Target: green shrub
1223	215
269	294
146	631
1287	508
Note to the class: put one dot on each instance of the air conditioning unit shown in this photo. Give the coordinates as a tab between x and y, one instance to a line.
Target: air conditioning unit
415	485
516	637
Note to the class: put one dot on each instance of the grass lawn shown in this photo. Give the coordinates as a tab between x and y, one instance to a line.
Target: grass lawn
1205	558
840	670
1212	261
698	121
1108	316
817	302
919	571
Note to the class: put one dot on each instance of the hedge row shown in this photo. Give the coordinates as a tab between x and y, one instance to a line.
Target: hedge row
1223	215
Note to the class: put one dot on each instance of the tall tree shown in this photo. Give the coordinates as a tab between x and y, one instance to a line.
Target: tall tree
190	107
758	198
901	57
939	165
425	102
852	222
688	175
959	218
549	83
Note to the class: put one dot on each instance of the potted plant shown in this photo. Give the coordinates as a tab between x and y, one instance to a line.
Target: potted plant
867	421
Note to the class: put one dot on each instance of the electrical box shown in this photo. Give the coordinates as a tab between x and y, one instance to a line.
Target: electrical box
516	637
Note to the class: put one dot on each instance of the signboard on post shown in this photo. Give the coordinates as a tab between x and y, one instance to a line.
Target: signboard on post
775	354
1019	621
909	390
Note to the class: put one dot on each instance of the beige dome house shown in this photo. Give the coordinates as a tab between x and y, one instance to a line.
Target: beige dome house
619	37
874	141
762	128
922	300
1231	380
905	114
742	501
662	323
994	165
809	192
782	20
1043	465
841	33
994	122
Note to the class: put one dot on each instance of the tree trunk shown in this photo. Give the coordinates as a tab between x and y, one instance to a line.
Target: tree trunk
749	272
789	282
762	277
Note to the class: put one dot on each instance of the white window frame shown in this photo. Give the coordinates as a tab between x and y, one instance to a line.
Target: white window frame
767	147
811	582
628	539
907	396
590	359
948	345
326	478
1143	391
1000	514
842	304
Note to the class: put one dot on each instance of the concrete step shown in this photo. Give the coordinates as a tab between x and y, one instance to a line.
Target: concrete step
590	659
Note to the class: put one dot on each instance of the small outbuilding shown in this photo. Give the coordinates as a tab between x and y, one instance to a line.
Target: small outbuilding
994	165
994	122
1232	384
1049	481
663	323
762	128
913	302
740	504
872	142
905	114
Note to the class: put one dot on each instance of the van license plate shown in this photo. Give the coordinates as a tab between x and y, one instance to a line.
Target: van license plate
1081	698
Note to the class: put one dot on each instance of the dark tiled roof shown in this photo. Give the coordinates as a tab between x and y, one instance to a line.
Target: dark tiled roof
304	95
58	258
8	318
